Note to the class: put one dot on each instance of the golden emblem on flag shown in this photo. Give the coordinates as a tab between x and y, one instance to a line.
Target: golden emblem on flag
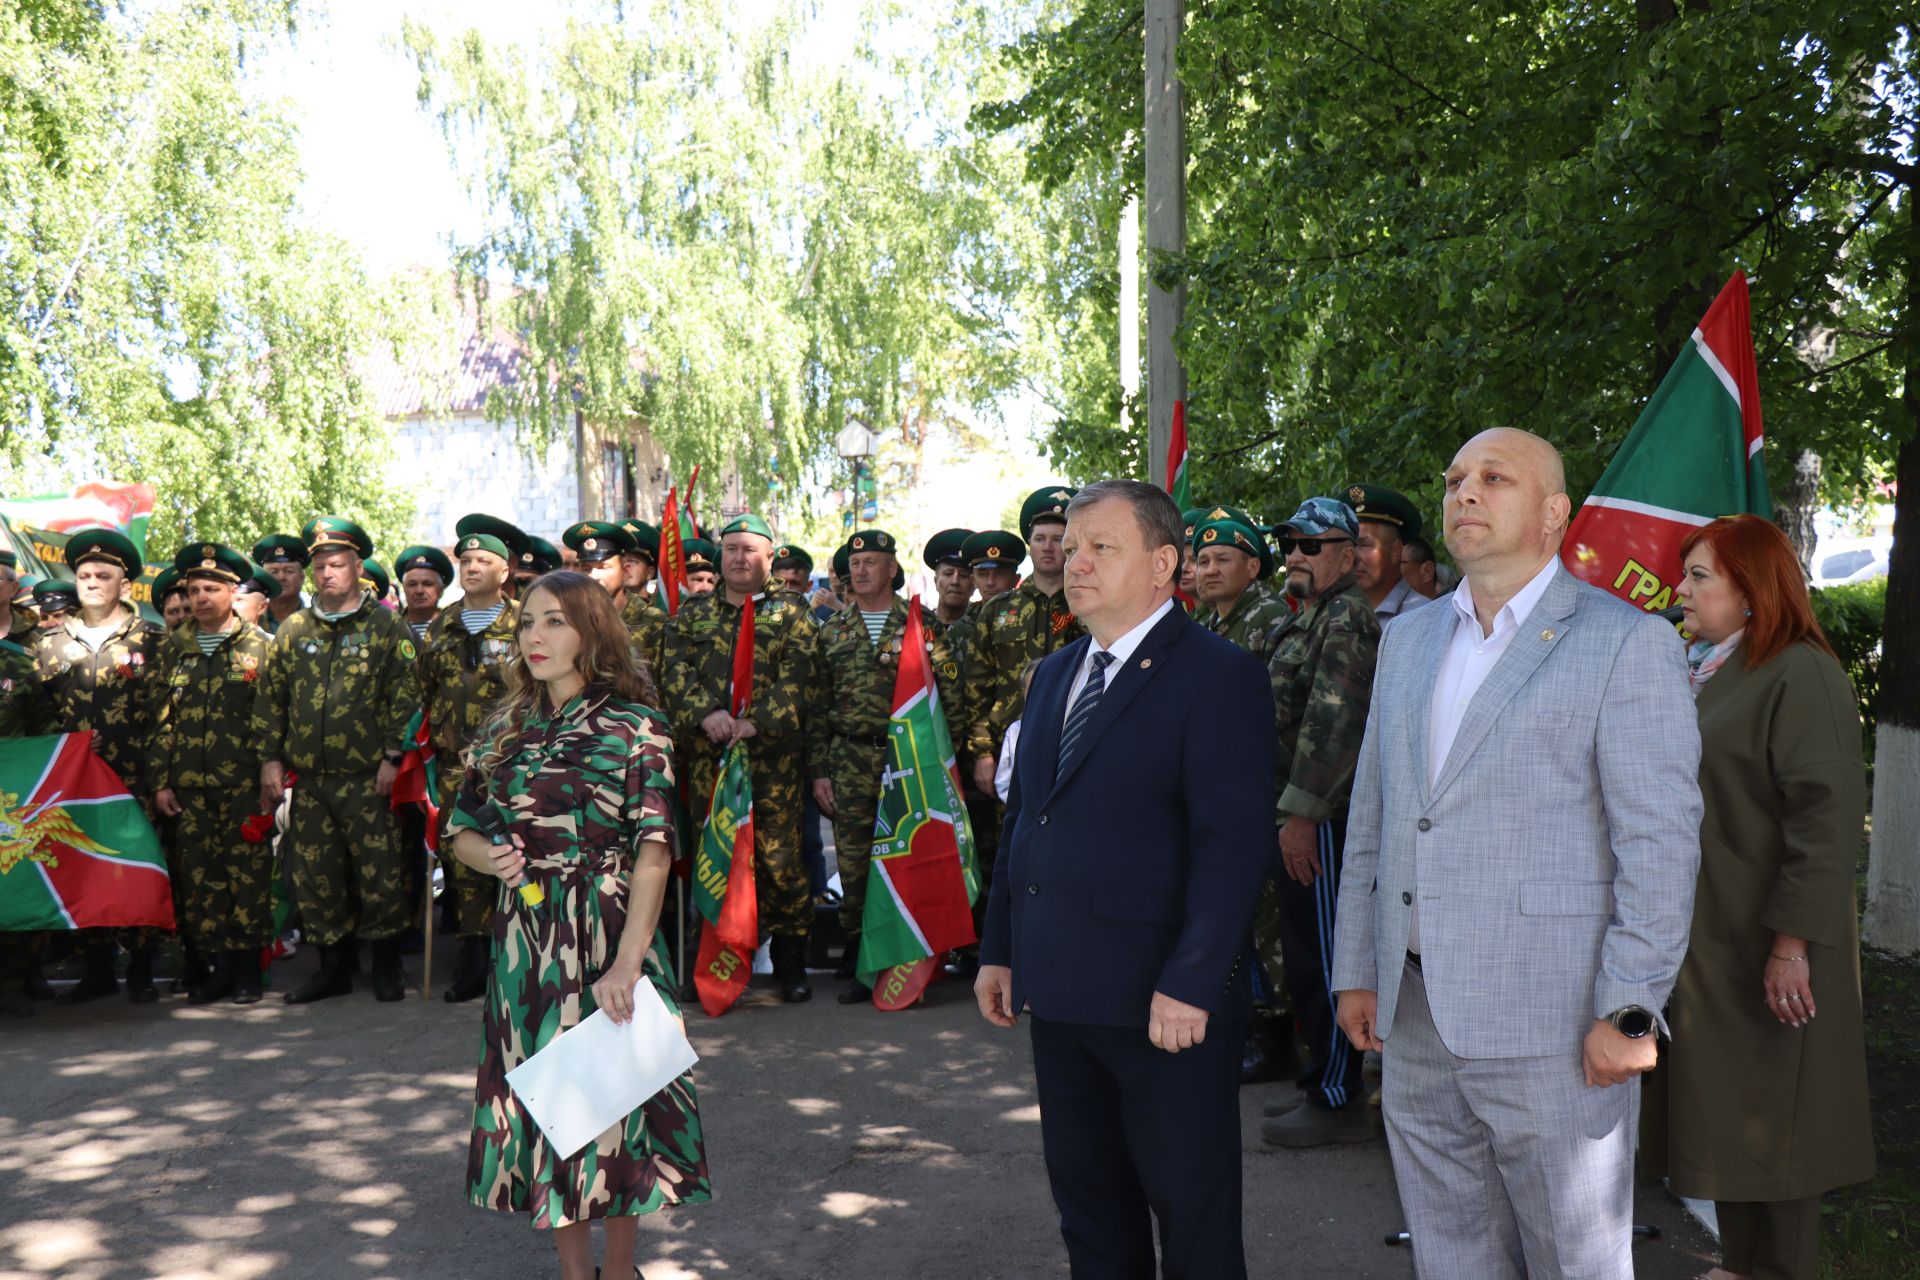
22	837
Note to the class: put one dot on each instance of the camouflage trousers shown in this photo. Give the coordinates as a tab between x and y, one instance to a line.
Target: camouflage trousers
473	891
854	810
343	858
223	884
1268	925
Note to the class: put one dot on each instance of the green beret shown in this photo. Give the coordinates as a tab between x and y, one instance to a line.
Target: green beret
946	547
208	560
280	548
701	554
995	549
596	540
329	532
432	559
165	582
871	540
646	538
747	523
1227	527
788	556
540	556
843	561
1049	503
109	545
479	532
1384	506
376	573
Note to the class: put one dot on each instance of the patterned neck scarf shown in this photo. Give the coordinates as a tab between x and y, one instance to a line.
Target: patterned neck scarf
1704	658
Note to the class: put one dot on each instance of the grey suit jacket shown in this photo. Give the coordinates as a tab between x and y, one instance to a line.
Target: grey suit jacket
1555	856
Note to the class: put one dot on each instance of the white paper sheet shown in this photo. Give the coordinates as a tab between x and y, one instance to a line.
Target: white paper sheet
592	1076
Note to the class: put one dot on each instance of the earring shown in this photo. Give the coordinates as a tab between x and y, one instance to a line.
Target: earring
1746	613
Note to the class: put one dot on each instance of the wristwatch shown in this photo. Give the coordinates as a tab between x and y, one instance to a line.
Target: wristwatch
395	757
1633	1022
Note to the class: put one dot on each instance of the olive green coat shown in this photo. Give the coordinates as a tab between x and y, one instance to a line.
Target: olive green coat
203	722
1754	1109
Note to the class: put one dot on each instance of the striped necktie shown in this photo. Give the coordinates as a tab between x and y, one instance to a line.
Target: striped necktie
1083	708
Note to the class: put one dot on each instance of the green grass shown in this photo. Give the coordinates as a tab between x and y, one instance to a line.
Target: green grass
1872	1231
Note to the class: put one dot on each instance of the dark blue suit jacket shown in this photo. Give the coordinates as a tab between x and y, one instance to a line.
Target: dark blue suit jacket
1137	869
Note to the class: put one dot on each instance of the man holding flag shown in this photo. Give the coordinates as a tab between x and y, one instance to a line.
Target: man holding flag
699	682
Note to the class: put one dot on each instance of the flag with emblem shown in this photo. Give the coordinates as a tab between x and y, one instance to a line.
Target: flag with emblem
673	554
723	888
1695	454
923	878
76	851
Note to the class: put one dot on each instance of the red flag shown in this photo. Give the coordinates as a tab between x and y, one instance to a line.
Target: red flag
411	785
692	521
673	555
724	889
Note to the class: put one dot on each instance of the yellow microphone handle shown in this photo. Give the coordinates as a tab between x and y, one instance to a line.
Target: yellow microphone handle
531	894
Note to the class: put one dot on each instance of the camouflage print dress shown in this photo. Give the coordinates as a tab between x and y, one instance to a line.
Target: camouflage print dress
584	787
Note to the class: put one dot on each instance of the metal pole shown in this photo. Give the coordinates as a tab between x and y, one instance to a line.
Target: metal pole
1129	310
1166	135
426	931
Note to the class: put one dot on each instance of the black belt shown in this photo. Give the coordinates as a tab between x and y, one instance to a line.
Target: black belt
1413	958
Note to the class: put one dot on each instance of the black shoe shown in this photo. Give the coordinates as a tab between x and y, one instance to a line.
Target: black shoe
333	979
1289	1100
858	993
849	957
140	987
217	985
97	981
245	967
194	970
389	979
1316	1126
470	971
789	956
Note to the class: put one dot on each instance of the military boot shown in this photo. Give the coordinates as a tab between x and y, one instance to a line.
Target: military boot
789	956
849	957
389	979
245	967
98	980
470	971
140	987
218	983
195	970
333	979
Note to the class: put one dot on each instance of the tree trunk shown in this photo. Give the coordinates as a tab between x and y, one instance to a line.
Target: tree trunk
1893	869
1796	503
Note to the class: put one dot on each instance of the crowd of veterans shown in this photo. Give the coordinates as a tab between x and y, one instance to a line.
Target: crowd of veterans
296	683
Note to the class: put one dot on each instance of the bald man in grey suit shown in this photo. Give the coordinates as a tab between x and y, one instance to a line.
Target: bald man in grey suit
1521	855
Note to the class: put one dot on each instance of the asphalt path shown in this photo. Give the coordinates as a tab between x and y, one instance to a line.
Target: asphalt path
328	1142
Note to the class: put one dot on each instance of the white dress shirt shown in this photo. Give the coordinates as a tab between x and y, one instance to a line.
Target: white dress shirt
1122	649
1470	656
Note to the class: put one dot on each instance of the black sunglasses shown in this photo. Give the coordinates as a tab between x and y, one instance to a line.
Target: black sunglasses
1308	546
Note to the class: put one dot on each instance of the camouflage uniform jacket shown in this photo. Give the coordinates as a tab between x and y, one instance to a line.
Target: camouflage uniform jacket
24	629
110	690
462	676
337	696
203	724
699	669
959	636
1252	621
647	631
855	676
26	709
1322	670
1015	628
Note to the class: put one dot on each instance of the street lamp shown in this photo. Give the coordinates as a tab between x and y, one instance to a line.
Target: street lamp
856	443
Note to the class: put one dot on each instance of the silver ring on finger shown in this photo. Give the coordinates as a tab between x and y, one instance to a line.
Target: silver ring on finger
1794	998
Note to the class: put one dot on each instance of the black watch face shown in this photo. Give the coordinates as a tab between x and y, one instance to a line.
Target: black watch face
1636	1023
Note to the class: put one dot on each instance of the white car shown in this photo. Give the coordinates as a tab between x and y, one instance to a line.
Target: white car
1838	560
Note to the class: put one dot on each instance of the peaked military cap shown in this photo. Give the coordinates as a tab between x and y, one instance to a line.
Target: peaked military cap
646	539
1384	506
166	582
1230	527
540	556
373	571
280	548
1049	503
596	540
843	561
746	523
946	547
480	532
108	545
55	595
1191	518
432	559
208	560
701	554
788	556
262	581
995	549
330	532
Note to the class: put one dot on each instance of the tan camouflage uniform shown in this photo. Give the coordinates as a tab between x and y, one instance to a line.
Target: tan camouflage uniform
337	697
205	751
647	629
462	677
699	670
1252	621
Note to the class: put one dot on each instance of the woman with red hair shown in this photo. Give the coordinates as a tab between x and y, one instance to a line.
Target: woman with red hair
1767	1080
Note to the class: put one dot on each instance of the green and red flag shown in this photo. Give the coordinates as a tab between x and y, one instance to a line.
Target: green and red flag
673	554
1695	454
1177	458
76	851
418	779
923	879
689	521
723	888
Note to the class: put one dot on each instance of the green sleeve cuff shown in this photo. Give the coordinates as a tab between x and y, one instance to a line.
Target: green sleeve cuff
1299	804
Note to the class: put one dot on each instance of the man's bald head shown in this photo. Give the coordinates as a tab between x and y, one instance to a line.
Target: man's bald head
1537	456
1506	505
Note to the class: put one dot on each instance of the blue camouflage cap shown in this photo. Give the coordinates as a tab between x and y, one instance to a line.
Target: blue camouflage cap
1318	517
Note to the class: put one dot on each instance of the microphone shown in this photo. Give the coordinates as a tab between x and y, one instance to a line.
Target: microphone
495	828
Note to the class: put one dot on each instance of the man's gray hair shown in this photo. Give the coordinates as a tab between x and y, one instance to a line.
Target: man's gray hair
1153	509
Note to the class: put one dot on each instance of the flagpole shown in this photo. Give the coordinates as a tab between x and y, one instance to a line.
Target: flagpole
426	929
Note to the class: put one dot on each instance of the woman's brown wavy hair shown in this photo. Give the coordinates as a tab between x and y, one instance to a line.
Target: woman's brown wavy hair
606	658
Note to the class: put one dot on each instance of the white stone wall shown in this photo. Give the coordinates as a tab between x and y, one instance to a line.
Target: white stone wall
460	464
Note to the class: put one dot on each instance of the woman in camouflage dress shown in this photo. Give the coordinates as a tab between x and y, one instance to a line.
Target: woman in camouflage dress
575	766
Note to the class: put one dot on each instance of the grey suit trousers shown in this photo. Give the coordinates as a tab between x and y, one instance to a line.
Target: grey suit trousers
1509	1168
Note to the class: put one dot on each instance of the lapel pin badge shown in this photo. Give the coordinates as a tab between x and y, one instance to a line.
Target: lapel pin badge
1145	663
1547	634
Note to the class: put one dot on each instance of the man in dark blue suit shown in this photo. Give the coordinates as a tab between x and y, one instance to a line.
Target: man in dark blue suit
1139	828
